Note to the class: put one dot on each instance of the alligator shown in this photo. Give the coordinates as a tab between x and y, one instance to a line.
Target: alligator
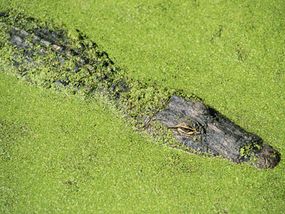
44	54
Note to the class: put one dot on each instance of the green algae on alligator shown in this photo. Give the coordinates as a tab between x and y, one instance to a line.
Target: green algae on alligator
47	56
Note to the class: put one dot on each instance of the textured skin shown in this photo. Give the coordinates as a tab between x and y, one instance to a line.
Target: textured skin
218	136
